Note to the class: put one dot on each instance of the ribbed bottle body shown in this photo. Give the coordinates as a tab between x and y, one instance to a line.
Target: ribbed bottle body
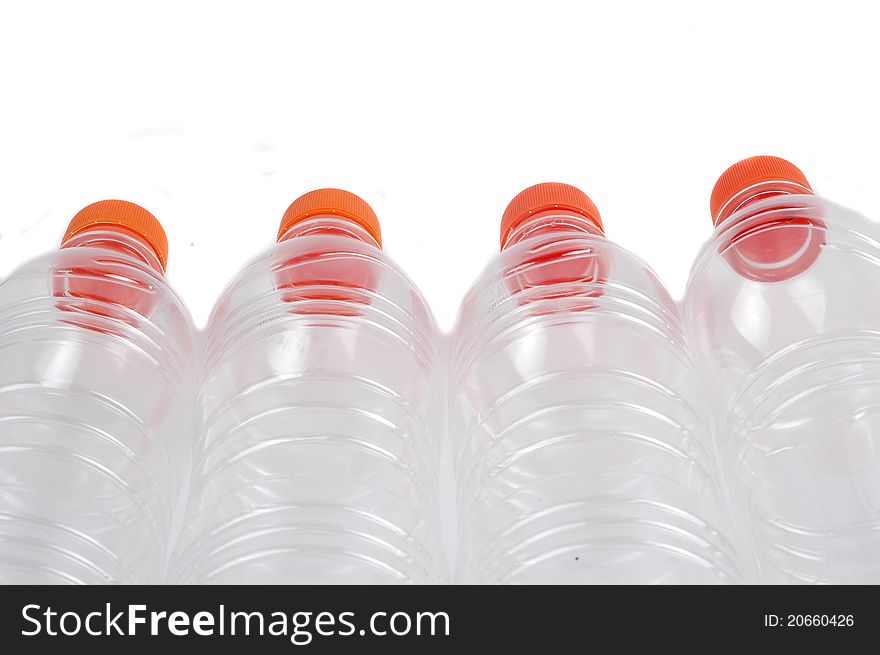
578	425
96	391
319	425
793	365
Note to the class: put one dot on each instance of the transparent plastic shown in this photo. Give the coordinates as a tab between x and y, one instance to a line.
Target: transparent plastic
319	412
96	391
577	421
782	309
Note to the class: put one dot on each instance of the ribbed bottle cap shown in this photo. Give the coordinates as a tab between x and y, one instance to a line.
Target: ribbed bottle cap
333	202
122	214
546	197
748	173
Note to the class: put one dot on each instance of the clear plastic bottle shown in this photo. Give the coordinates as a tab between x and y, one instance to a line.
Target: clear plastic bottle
786	328
576	414
96	392
319	414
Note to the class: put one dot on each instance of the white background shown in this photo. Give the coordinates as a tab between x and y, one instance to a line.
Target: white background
216	115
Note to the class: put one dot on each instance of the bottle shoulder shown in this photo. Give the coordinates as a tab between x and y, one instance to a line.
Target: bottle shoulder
93	291
337	282
569	275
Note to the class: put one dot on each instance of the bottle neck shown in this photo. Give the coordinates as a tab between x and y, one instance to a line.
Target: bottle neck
329	225
758	192
773	241
551	221
116	239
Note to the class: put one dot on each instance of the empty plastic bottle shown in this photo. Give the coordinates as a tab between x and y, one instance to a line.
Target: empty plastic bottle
781	306
96	395
319	414
577	416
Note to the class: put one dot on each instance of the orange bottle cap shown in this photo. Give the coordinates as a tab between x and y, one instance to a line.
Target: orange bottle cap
333	202
546	197
748	173
121	214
